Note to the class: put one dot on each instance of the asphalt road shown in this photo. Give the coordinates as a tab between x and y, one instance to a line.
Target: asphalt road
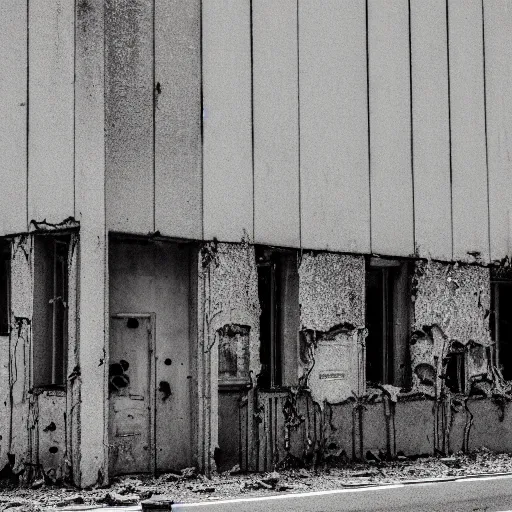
489	494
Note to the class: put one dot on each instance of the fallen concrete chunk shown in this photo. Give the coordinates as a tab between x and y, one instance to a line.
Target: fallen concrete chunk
114	498
37	484
189	473
272	479
203	489
158	503
75	499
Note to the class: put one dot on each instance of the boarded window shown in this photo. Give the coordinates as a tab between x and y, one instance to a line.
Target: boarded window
5	286
278	291
387	320
50	309
501	324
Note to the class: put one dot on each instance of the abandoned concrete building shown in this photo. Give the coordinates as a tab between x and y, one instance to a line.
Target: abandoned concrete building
252	232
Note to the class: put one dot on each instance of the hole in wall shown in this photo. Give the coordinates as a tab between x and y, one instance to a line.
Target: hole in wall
168	362
50	428
132	323
53	449
165	388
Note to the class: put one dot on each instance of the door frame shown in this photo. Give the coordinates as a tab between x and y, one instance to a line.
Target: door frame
151	380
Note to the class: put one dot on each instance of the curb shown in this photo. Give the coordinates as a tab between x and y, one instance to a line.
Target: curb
168	502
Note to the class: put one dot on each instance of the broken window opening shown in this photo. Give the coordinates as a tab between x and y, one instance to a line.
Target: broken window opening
387	320
501	325
5	286
50	309
278	291
455	372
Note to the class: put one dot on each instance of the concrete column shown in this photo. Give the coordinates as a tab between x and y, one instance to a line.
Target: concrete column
90	206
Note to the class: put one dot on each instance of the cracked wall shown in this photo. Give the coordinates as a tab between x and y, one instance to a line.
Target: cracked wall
451	313
322	421
228	303
332	304
36	449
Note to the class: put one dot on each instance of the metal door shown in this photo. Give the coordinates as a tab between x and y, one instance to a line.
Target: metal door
131	394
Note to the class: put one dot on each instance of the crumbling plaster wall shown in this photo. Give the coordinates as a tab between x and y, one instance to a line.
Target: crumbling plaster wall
332	317
33	422
451	308
228	296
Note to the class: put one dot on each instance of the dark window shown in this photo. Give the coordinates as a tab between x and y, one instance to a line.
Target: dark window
50	309
387	320
456	369
278	293
501	325
5	286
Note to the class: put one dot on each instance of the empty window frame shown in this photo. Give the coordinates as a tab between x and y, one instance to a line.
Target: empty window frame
5	286
455	370
387	320
278	291
50	318
501	325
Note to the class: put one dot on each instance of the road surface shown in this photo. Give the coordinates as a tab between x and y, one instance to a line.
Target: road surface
489	494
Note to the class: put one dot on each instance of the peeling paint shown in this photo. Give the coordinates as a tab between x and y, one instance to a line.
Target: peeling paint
332	302
228	299
37	431
455	298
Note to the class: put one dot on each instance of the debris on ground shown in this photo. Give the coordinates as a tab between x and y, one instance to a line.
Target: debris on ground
190	486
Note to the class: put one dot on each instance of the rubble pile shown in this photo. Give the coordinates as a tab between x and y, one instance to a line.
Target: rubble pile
190	486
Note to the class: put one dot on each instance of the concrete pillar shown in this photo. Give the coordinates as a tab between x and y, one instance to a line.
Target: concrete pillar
90	205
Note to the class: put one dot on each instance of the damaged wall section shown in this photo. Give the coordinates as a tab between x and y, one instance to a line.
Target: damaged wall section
34	436
332	303
457	393
228	307
451	342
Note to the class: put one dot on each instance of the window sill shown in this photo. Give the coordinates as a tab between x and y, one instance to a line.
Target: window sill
51	389
234	385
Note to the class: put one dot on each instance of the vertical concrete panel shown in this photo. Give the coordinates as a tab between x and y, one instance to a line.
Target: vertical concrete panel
470	218
178	151
129	115
227	148
276	126
498	65
390	128
13	105
51	123
335	201
431	131
90	179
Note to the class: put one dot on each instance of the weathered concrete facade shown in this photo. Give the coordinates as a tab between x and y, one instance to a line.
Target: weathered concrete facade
252	232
